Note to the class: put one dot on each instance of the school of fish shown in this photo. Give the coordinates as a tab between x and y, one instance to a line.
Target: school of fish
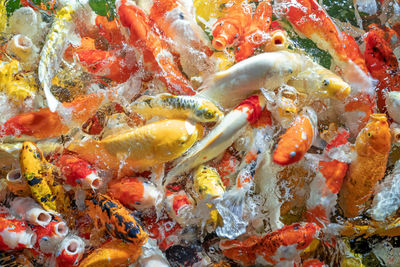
199	133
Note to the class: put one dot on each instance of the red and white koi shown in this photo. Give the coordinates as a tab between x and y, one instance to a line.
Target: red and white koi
50	236
179	206
135	193
15	235
29	210
77	171
70	251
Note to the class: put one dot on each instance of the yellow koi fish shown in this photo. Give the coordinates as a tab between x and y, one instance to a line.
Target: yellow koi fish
141	147
39	175
113	253
208	185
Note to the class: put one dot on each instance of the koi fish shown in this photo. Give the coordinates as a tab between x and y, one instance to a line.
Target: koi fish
53	49
50	236
208	185
78	172
232	25
176	19
309	19
372	148
266	70
112	253
46	124
176	107
39	175
383	65
70	251
179	206
163	230
257	32
387	228
36	174
15	235
208	9
320	82
16	85
227	167
118	220
220	138
110	30
17	185
22	48
298	139
143	35
106	63
134	193
141	147
282	244
29	210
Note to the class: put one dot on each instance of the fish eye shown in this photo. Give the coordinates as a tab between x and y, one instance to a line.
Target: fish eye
325	82
369	134
208	115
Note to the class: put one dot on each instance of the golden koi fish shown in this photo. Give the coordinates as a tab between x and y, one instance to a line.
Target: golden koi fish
142	147
372	148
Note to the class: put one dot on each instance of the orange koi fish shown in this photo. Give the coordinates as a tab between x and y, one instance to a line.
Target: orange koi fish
256	34
282	244
353	51
383	65
107	64
297	139
110	30
70	251
372	148
178	206
117	219
46	124
112	253
134	193
232	25
145	36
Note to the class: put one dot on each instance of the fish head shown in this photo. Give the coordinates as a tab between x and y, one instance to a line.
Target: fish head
208	112
334	86
207	182
375	135
30	156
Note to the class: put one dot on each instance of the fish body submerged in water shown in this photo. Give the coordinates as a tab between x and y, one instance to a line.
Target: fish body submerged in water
177	107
